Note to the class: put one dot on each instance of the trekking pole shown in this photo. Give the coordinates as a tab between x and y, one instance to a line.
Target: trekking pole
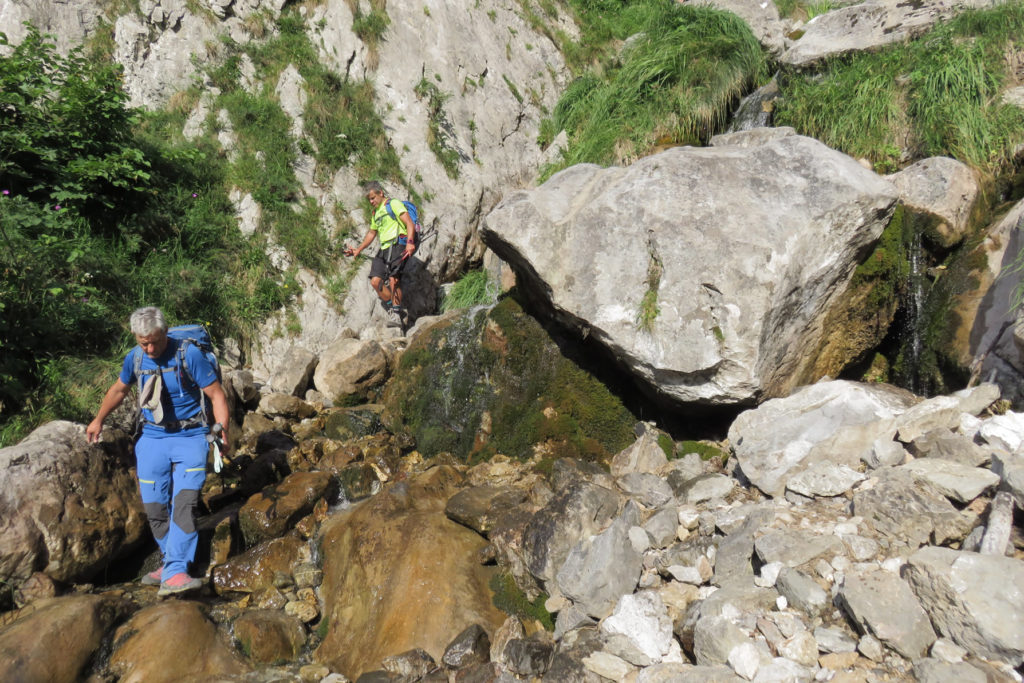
214	439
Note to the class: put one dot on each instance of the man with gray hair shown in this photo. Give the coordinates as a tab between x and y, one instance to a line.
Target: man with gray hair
171	452
394	227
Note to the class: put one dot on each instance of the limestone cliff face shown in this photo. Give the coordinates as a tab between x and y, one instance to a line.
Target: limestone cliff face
494	72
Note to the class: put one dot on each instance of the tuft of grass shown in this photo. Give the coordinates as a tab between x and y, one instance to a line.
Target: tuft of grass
439	127
649	309
674	82
472	289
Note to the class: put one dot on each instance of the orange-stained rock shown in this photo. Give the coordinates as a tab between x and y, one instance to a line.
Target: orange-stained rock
254	570
55	638
172	641
277	508
399	575
270	636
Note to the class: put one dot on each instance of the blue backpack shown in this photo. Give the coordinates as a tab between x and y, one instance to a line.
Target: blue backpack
414	215
185	334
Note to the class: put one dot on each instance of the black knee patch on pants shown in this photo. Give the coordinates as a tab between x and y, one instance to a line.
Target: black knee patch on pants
157	515
185	510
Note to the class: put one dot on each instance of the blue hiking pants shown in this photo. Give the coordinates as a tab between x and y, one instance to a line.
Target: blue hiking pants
172	464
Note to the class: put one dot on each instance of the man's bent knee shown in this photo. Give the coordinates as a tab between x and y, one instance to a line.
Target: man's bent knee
156	513
185	510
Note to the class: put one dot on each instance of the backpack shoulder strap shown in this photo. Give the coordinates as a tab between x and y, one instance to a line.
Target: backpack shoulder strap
391	212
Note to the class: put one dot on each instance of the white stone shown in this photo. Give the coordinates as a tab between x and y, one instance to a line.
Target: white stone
745	660
781	602
948	651
686	574
688	516
870	647
769	574
893	564
802	648
639	539
845	529
643	618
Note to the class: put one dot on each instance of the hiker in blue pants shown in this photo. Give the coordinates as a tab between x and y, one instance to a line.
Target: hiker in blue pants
396	231
172	450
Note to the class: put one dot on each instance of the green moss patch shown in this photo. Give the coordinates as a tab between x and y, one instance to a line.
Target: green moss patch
493	381
511	600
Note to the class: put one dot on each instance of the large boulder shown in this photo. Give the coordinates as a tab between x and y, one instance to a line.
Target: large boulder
349	368
824	422
56	639
373	555
944	192
988	337
840	423
200	652
707	272
67	508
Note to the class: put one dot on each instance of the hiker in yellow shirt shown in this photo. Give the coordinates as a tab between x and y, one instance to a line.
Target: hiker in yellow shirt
397	234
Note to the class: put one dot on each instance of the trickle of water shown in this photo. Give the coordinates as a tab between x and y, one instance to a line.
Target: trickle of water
754	110
915	312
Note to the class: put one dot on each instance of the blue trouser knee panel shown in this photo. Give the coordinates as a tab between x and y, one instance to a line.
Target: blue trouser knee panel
178	464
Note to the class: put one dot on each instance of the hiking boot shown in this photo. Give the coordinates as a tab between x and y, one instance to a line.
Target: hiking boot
152	578
179	583
386	305
395	317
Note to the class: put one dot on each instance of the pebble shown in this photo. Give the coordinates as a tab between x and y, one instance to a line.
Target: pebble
871	647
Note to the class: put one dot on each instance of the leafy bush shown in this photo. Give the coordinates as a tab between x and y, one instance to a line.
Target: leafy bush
103	210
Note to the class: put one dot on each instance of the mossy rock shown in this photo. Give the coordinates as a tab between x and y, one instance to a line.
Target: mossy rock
352	423
493	381
510	599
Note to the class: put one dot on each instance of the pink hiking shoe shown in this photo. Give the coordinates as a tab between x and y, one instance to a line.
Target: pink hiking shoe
152	578
179	583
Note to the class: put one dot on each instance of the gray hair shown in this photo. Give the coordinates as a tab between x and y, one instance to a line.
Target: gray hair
373	186
147	320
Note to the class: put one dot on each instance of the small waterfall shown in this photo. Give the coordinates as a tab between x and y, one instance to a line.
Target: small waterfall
755	110
913	325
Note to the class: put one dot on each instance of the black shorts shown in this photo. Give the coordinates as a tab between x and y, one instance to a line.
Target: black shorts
389	262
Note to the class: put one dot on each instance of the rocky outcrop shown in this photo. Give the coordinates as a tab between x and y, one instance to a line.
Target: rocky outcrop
659	569
67	508
839	423
707	272
988	338
973	599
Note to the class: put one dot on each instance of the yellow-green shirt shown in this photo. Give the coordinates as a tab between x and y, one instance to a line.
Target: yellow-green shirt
388	228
